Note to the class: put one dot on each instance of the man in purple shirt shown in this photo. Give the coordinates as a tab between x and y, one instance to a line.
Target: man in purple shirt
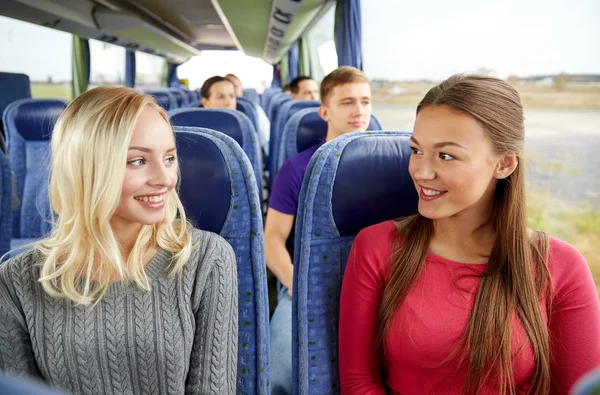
346	107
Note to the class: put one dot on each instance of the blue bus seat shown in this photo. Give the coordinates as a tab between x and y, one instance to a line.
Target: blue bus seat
251	95
230	122
219	197
248	109
332	212
13	385
13	87
164	98
276	101
267	96
288	109
181	97
29	124
5	205
305	129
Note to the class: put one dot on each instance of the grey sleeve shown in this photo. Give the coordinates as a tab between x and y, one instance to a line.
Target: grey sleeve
213	367
16	351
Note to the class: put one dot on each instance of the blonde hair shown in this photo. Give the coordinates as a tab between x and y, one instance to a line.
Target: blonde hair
89	151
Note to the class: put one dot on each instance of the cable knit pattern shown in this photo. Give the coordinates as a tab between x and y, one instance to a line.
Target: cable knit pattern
179	338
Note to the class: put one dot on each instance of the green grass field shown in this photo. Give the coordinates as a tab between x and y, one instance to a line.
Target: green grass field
578	226
54	91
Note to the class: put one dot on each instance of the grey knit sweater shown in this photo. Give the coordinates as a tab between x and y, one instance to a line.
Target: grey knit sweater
179	338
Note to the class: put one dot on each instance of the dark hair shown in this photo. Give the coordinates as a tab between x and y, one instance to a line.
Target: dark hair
516	277
205	90
295	84
341	76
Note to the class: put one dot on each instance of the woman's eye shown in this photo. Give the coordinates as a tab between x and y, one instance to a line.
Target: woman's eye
415	151
171	159
136	162
444	156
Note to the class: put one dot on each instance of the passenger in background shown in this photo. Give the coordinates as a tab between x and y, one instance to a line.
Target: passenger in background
218	92
123	295
304	88
264	126
463	297
346	108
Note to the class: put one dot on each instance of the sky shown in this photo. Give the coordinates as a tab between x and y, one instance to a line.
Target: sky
402	40
434	39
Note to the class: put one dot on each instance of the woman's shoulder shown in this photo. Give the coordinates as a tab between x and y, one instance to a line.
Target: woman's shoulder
209	247
21	271
203	239
567	266
382	234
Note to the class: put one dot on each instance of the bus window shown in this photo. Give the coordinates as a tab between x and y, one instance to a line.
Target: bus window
148	70
107	64
25	46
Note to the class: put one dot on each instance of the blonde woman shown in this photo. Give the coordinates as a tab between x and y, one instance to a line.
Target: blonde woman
123	297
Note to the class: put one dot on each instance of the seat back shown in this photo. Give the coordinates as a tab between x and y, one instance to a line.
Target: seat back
276	101
251	95
248	109
5	204
230	122
13	87
306	129
288	109
181	96
29	124
219	196
267	96
164	99
332	212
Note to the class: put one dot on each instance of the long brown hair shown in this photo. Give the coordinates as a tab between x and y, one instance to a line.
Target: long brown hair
515	277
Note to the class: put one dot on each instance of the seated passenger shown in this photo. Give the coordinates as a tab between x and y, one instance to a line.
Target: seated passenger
124	294
346	108
218	92
463	297
264	126
304	88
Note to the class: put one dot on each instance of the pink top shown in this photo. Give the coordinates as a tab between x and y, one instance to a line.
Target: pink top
428	325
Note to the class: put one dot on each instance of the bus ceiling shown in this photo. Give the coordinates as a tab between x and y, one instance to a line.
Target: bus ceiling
179	29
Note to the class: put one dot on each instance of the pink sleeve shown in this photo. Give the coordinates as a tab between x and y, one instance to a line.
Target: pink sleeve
575	317
359	305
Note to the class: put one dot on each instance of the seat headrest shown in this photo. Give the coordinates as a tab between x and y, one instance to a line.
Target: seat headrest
33	119
372	183
14	87
205	183
312	129
224	121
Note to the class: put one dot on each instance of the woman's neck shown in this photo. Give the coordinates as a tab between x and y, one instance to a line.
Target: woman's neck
461	240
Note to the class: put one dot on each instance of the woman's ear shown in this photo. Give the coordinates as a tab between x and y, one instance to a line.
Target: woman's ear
506	166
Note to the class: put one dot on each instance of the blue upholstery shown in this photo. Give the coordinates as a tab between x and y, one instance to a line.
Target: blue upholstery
29	123
305	129
181	97
267	96
12	385
251	95
5	204
352	182
219	196
276	101
13	87
588	384
164	99
248	109
230	122
287	110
